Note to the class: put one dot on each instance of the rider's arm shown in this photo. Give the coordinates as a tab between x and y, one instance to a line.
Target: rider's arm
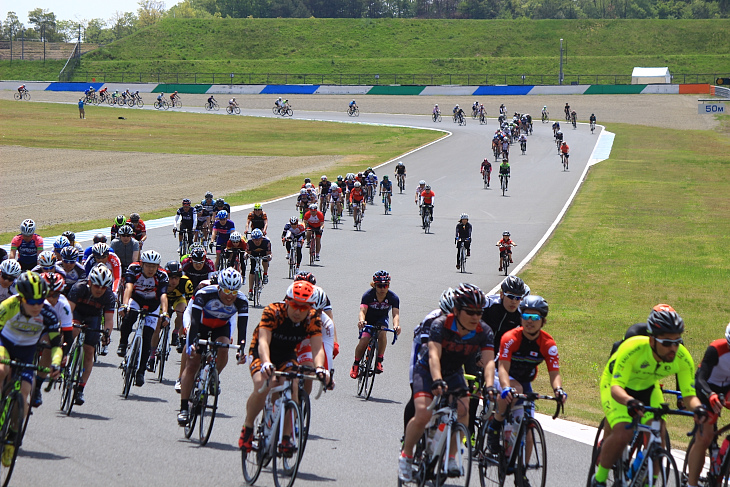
263	344
396	320
434	360
488	360
503	371
363	311
709	361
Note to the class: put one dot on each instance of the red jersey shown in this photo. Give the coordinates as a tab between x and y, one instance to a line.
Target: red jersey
427	197
241	245
314	219
356	195
505	244
525	355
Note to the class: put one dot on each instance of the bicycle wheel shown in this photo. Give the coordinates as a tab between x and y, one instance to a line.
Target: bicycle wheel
12	439
208	406
285	463
363	378
667	474
503	182
505	265
492	466
74	378
67	386
237	110
193	406
253	461
463	457
17	96
305	407
257	289
462	259
289	112
162	352
427	223
532	459
370	366
130	366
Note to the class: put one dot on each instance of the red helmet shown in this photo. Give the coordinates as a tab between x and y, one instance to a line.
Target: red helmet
55	281
300	292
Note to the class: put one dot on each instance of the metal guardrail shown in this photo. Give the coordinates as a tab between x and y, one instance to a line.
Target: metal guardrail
375	79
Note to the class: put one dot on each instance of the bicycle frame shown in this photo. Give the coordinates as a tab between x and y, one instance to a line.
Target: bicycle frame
450	414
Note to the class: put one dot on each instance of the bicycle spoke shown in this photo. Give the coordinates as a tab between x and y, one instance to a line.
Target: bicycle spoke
285	463
532	460
251	462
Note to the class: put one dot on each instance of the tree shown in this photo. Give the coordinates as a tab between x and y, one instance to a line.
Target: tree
11	25
44	21
150	12
123	24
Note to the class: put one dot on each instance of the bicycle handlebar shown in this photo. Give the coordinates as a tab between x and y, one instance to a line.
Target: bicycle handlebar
22	365
533	396
218	344
298	374
371	327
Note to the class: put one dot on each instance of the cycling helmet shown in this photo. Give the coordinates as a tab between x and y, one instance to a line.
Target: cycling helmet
457	105
469	296
357	184
186	201
385	177
27	228
125	230
198	208
99	237
514	285
535	302
100	250
101	276
10	267
235	237
446	303
437	105
308	186
300	292
663	320
302	191
220	202
69	254
313	206
505	234
150	257
421	182
727	334
427	188
294	220
464	216
279	98
339	178
46	259
223	214
60	243
30	286
593	115
381	277
173	268
134	217
370	169
307	180
257	206
558	133
197	254
119	220
55	281
323	178
400	163
71	236
208	195
305	276
257	234
319	298
544	107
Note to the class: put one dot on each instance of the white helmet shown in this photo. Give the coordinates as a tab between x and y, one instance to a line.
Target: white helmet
101	276
422	182
230	279
319	298
11	267
464	216
27	228
302	191
357	184
235	237
47	259
150	257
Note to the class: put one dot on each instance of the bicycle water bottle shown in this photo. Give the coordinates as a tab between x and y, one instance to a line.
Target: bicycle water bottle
438	432
636	464
715	458
717	461
508	439
203	376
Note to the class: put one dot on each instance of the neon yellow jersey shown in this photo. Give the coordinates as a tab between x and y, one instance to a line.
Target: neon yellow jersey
633	367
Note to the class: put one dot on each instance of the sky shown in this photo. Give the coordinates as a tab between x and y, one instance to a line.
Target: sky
73	9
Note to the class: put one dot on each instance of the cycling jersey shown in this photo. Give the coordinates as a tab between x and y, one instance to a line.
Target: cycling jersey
125	252
22	330
147	291
386	186
73	276
257	221
377	312
463	231
713	374
314	218
259	250
223	232
486	166
188	218
427	197
401	169
505	244
504	169
27	250
140	229
184	290
203	217
499	319
455	349
224	206
285	334
86	305
295	232
356	195
63	313
196	276
242	245
209	312
324	187
564	148
113	264
525	355
208	205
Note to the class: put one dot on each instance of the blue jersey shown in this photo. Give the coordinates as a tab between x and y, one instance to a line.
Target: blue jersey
223	231
377	313
386	185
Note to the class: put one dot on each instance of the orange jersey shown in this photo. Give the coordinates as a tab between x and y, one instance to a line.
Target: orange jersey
241	245
564	148
313	218
428	197
356	195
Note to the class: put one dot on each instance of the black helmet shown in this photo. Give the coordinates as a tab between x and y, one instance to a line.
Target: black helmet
664	320
174	268
514	285
535	302
99	237
31	286
197	254
305	276
469	296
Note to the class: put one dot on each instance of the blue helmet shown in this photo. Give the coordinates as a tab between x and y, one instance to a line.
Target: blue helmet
257	234
222	214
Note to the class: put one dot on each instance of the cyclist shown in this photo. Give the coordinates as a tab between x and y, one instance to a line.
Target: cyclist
258	246
197	266
436	110
22	89
545	113
336	199
222	228
221	204
201	230
179	292
26	246
504	172
427	200
556	128
505	245
375	305
140	229
47	263
352	107
9	272
592	119
631	379
186	220
419	189
502	110
521	350
173	97
386	188
60	243
400	170
371	179
342	184
282	327
146	286
566	109
119	222
232	103
523	142
211	101
463	234
486	167
159	97
453	339
558	139
293	234
357	200
302	201
565	152
323	191
314	220
712	382
71	236
100	254
91	300
98	238
459	114
71	267
573	116
235	243
215	309
208	202
257	219
505	147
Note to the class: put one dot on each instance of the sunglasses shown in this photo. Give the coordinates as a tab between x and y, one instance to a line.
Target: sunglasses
69	261
531	317
34	302
668	343
228	291
96	286
514	297
299	307
7	277
382	285
472	312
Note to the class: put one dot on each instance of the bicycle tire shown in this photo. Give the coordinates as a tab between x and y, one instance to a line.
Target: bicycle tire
668	474
275	110
370	365
253	461
67	382
130	102
596	453
289	112
305	407
17	96
492	466
461	438
363	378
193	407
162	352
285	468
74	378
358	220
16	411
462	259
532	471
140	103
209	405
129	369
505	265
257	289
292	260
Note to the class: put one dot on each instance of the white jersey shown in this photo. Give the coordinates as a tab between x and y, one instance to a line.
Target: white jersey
304	353
63	313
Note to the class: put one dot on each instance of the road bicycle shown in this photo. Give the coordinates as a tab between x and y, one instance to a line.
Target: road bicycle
504	258
462	256
136	100
461	120
161	104
719	471
184	245
91	99
176	103
545	117
443	431
203	400
161	353
487	176
257	269
564	160
523	146
13	419
357	215
426	217
522	452
644	461
366	367
292	257
71	374
278	432
573	121
335	216
593	126
211	105
386	204
567	115
22	95
312	246
436	117
353	112
230	109
503	183
401	182
496	150
283	111
133	359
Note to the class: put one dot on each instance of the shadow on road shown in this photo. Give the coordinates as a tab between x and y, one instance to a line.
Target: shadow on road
40	455
77	415
315	478
383	401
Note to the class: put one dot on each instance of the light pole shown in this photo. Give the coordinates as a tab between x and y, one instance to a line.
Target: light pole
560	76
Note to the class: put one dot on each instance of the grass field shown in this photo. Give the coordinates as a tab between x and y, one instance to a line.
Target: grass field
648	226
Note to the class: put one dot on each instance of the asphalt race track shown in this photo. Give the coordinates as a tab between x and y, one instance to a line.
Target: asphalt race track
111	441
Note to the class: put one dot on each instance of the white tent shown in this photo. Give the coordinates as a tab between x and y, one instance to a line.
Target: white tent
646	76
